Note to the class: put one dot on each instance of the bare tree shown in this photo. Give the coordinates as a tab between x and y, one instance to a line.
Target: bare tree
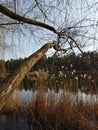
54	13
70	23
73	23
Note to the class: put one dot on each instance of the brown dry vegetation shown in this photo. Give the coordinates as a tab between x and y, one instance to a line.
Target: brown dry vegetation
12	105
64	112
62	115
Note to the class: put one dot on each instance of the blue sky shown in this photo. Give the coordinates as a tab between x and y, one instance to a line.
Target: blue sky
27	39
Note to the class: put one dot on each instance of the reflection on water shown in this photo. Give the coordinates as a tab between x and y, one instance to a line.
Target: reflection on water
28	92
77	87
13	122
25	95
29	95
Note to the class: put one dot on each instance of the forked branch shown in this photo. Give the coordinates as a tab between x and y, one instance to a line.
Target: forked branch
19	18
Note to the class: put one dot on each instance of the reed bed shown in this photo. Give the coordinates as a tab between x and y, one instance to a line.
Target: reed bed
12	105
64	114
62	111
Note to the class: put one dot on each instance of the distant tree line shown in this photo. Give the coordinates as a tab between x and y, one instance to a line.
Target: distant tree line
82	62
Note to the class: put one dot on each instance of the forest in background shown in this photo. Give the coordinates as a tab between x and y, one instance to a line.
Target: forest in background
81	63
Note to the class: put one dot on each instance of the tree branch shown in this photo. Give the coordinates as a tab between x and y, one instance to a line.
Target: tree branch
75	44
17	17
40	8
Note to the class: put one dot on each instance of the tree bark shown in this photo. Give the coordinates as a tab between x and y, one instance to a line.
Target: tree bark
12	81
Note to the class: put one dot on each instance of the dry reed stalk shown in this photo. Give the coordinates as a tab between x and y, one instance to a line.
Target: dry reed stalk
12	105
63	114
67	113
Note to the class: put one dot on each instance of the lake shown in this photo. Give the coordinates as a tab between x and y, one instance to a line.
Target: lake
29	91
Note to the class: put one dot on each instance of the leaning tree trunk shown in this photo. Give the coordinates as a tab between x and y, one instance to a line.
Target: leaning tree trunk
12	81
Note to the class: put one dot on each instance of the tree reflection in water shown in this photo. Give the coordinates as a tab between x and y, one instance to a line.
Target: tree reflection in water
34	91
